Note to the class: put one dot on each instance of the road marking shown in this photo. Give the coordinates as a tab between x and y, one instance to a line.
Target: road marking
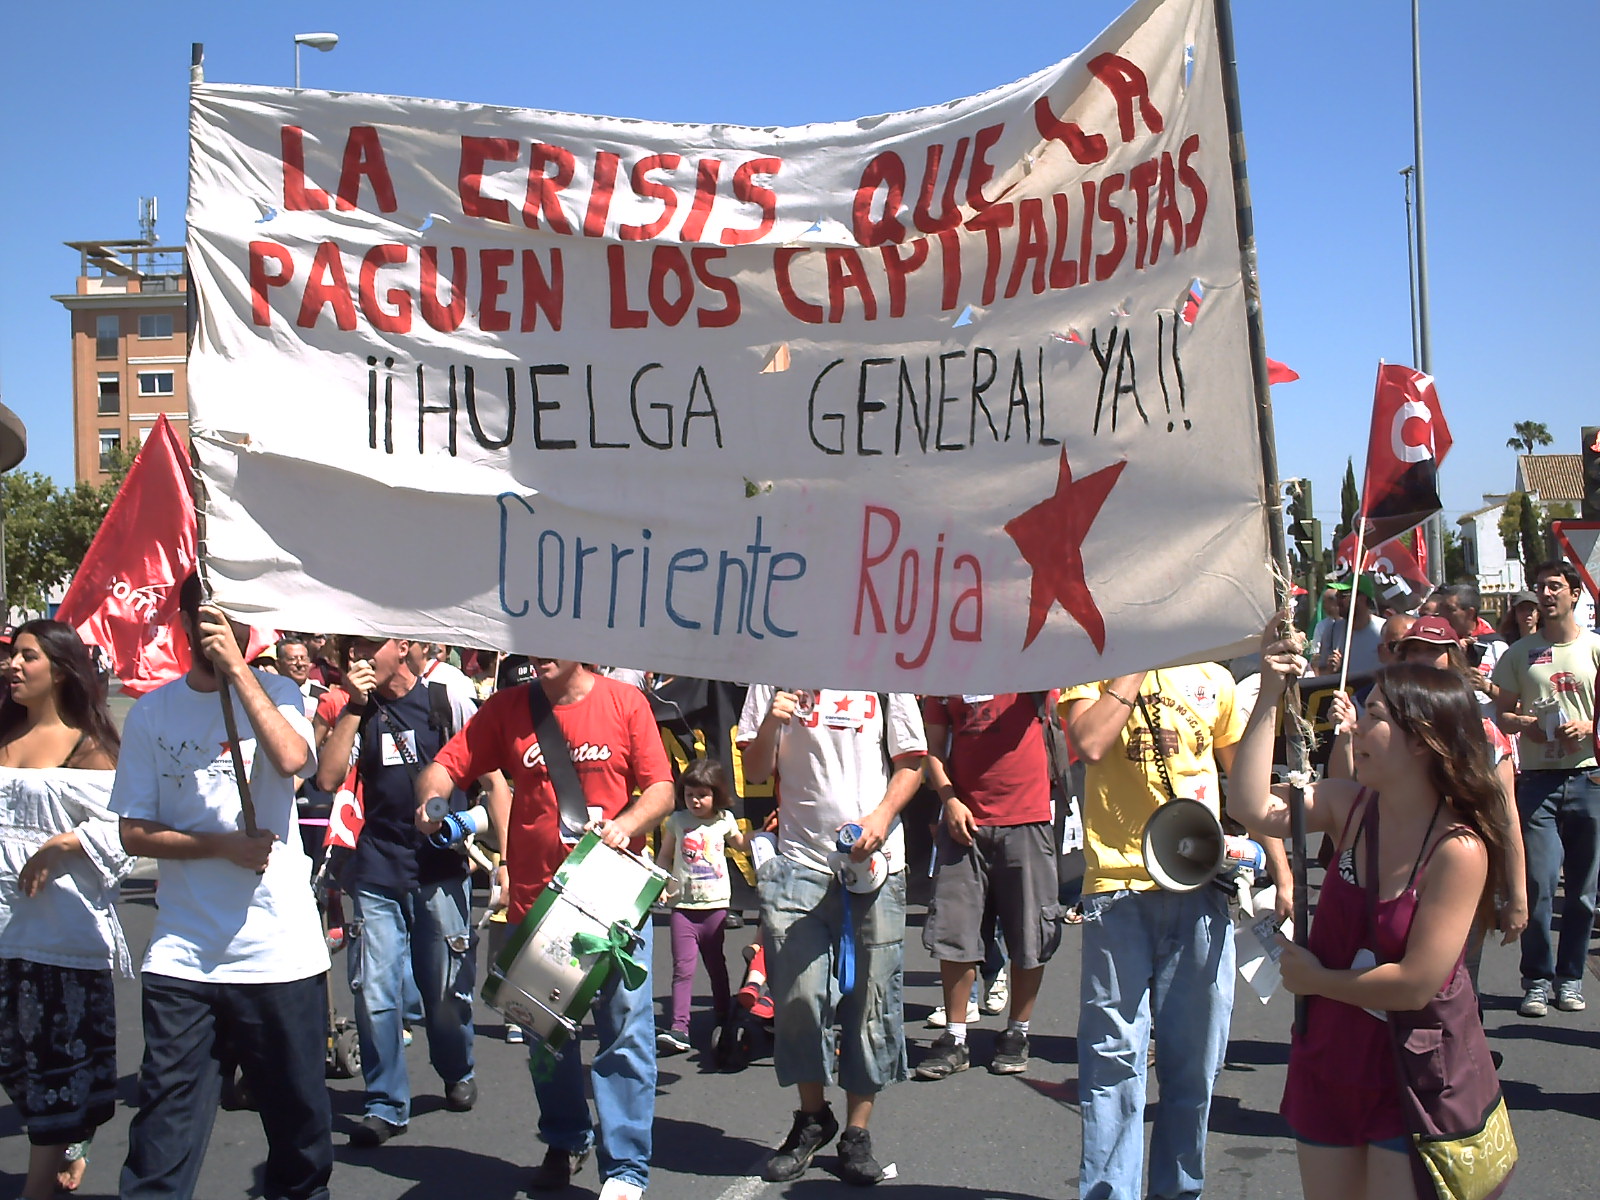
744	1189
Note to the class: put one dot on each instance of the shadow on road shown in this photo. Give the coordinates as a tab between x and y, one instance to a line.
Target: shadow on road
440	1170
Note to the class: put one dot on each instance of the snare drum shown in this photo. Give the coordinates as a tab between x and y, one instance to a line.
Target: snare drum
537	981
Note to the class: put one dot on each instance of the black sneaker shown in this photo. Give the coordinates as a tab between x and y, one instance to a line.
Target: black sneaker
557	1169
856	1164
1010	1053
809	1133
461	1095
945	1058
374	1131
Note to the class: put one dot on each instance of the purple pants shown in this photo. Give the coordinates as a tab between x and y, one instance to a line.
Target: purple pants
697	933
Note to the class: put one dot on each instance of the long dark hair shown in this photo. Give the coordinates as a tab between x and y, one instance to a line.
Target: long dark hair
1440	710
80	696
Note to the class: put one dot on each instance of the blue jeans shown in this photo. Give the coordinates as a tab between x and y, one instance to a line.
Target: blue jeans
277	1032
425	935
1162	963
624	1079
1560	832
802	918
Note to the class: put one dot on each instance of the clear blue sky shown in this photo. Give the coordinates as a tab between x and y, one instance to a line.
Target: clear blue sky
94	96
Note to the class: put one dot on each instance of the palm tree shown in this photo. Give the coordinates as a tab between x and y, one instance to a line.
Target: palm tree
1529	434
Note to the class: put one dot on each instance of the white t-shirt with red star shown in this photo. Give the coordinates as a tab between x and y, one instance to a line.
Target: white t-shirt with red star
831	765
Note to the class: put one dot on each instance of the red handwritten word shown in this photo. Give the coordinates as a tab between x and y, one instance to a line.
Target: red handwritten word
903	578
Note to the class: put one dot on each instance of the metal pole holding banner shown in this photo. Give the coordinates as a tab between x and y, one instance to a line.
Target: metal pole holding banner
1294	734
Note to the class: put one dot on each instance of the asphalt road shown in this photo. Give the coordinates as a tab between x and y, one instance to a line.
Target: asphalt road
973	1135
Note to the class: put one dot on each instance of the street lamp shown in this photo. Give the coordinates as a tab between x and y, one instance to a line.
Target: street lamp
317	41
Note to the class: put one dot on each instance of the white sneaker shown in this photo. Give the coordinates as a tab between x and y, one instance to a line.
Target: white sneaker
938	1020
620	1189
997	995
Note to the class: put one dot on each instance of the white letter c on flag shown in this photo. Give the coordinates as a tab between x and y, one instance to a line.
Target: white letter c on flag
1405	451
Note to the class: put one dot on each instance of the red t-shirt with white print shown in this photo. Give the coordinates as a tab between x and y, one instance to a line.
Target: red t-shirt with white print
615	747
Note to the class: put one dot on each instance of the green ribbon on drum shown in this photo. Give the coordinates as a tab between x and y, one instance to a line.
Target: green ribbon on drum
616	944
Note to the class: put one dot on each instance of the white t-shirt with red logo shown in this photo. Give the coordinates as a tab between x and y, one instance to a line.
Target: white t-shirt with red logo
616	750
831	765
1553	681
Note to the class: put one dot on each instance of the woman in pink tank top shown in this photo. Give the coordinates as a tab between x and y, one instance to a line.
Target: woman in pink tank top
1424	777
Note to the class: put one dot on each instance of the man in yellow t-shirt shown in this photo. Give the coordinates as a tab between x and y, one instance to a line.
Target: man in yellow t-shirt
1154	962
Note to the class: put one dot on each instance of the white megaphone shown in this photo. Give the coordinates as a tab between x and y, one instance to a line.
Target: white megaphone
1185	849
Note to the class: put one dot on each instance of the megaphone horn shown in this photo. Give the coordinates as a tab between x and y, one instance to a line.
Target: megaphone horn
1183	845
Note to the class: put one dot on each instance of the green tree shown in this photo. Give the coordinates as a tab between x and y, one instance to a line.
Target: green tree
1455	558
1349	504
48	530
1560	510
1511	524
1528	435
1531	534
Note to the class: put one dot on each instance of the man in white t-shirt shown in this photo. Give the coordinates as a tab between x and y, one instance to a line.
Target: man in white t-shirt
237	945
840	759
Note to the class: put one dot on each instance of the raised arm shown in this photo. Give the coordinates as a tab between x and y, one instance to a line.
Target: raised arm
285	747
1252	799
760	754
1095	725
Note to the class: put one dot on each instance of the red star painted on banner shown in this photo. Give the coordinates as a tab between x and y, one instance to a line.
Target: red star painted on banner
842	705
1050	536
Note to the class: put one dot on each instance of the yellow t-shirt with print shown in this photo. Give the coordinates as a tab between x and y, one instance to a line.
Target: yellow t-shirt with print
1193	706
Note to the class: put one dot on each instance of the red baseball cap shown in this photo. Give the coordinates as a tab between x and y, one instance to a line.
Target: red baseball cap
1434	630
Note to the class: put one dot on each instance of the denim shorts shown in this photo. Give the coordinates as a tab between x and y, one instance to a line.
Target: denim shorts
802	917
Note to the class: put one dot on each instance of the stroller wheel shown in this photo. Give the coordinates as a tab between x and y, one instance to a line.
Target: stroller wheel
344	1052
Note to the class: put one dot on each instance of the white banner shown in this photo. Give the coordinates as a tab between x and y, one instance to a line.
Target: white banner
901	403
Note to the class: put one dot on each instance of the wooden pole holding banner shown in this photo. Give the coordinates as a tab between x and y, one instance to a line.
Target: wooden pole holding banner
1294	734
230	721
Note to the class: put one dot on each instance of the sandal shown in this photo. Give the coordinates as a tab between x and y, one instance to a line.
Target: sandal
74	1163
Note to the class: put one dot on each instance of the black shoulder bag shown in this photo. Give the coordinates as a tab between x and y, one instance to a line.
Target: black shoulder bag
557	760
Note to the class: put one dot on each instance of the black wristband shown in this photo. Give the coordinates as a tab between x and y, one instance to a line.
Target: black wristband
359	710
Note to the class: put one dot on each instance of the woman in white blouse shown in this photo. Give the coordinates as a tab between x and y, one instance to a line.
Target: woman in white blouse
61	859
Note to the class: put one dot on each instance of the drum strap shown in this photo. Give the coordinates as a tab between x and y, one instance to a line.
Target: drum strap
557	759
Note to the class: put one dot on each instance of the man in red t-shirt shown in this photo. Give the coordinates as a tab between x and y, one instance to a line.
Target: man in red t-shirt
617	752
996	852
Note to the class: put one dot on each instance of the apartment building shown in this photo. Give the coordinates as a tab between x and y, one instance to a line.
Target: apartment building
129	343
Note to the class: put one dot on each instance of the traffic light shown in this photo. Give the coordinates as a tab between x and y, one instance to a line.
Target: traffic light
1305	531
1591	473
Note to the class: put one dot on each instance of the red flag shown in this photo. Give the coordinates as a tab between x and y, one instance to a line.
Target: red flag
348	814
1398	568
1409	440
124	596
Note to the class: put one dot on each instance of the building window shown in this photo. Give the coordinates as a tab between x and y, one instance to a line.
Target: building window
110	444
155	325
155	383
107	335
110	392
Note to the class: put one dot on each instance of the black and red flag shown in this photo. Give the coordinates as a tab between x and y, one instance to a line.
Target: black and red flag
1409	440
